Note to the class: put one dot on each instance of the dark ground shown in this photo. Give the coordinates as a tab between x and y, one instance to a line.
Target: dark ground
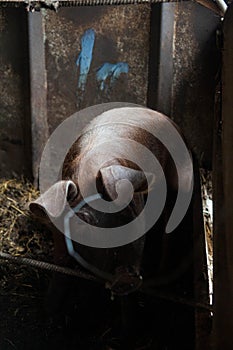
86	318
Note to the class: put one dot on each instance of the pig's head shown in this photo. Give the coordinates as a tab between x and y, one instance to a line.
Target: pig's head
119	267
114	148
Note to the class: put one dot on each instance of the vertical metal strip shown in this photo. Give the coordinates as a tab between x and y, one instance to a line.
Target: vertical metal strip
38	89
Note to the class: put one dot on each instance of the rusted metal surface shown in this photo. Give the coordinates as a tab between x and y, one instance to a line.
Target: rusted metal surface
223	204
38	89
189	61
121	35
14	123
37	5
54	4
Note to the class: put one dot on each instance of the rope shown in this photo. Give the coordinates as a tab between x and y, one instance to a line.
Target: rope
78	273
176	299
69	244
48	266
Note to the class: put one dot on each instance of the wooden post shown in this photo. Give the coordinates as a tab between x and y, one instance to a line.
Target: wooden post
223	186
183	83
38	90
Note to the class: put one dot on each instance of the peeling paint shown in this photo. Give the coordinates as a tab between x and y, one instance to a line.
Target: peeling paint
111	71
85	57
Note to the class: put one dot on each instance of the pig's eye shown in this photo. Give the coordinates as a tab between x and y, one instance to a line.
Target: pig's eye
87	217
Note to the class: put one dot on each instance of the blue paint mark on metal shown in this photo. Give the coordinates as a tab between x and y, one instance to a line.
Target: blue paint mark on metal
111	71
85	57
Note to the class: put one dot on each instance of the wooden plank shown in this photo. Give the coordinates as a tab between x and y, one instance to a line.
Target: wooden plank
38	89
15	148
187	65
161	58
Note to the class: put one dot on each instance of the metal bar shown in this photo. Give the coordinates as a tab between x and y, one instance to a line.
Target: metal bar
218	6
90	2
38	90
222	5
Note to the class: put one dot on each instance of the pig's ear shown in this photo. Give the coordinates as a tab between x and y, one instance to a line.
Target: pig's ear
113	173
52	202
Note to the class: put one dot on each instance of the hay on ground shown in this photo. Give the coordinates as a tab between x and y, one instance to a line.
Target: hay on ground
20	234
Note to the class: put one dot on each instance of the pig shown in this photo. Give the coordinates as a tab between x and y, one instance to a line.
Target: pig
156	256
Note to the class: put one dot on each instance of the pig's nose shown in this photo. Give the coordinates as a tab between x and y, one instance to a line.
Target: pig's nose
126	280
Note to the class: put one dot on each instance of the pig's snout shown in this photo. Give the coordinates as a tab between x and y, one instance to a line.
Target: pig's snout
126	280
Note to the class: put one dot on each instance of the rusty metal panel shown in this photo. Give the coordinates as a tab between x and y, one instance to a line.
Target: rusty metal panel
223	223
121	34
187	68
14	113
